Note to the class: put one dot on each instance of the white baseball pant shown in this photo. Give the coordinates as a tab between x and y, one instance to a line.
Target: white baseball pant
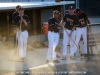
53	39
22	43
66	40
81	32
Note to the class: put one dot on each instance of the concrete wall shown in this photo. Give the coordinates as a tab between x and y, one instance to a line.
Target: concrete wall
37	38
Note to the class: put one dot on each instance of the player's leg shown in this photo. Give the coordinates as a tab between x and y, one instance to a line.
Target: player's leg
77	38
56	40
20	45
50	46
25	38
65	43
72	43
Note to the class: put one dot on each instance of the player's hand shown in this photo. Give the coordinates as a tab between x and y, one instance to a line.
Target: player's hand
61	21
69	20
21	18
60	24
59	31
20	21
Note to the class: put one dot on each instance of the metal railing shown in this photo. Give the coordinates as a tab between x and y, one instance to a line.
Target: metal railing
93	39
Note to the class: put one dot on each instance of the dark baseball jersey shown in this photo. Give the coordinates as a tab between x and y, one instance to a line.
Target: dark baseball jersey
69	25
83	23
17	22
53	25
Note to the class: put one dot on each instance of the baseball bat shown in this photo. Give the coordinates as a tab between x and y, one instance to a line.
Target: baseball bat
74	42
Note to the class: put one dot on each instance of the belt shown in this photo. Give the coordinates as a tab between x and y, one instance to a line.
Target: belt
54	31
68	29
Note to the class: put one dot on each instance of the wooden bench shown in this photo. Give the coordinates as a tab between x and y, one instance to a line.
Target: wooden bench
93	43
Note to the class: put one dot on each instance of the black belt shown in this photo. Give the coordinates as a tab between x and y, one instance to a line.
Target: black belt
53	31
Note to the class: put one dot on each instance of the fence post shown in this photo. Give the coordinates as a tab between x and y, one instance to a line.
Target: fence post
88	58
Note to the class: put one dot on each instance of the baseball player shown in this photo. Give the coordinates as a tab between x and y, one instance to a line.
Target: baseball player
13	17
71	20
81	30
22	21
53	36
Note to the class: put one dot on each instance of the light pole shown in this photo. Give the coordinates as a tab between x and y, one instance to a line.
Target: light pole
77	3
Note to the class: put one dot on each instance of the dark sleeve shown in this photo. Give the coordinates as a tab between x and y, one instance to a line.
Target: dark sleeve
16	19
85	16
51	22
86	19
66	16
27	19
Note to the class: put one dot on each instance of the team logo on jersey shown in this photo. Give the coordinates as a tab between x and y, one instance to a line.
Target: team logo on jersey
82	22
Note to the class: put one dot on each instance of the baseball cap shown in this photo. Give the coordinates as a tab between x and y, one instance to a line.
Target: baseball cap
71	7
78	10
18	6
56	12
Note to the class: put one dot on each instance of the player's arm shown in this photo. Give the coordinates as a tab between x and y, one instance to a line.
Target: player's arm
59	24
69	20
86	18
26	20
51	22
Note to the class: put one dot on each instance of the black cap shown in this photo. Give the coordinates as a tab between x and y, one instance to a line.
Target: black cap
78	10
56	12
71	7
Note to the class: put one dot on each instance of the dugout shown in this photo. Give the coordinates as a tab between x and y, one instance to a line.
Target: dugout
38	13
